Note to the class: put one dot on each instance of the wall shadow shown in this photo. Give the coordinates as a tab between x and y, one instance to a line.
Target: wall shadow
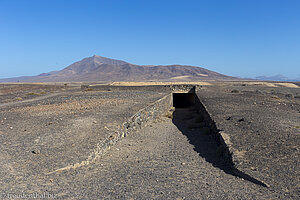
196	124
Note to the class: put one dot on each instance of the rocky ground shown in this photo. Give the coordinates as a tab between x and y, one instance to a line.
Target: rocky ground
21	92
262	126
47	134
173	157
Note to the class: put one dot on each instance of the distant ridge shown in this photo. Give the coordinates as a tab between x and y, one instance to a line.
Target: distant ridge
278	77
98	68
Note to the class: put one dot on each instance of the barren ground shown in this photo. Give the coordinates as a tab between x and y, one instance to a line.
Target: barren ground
168	159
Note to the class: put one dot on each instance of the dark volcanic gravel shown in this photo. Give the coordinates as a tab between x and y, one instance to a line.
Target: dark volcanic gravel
263	127
168	159
41	136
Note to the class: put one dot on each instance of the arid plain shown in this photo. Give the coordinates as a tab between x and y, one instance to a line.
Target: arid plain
137	140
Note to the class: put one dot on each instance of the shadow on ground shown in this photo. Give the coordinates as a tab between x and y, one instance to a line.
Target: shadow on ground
195	123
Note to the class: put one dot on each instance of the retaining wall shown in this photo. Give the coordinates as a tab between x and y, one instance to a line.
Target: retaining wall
134	123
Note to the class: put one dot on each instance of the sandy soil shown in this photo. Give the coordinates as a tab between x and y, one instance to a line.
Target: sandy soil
268	84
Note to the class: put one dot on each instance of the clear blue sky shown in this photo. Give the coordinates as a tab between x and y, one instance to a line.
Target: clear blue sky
245	38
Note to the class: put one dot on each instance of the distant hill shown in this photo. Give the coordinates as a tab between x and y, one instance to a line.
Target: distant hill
97	68
277	78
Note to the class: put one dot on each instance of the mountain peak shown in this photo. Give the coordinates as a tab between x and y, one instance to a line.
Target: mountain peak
103	60
98	68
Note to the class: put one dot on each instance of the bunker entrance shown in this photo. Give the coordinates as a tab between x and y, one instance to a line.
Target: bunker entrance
183	100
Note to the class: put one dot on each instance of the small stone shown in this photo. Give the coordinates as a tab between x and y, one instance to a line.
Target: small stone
235	91
11	127
36	152
183	163
253	168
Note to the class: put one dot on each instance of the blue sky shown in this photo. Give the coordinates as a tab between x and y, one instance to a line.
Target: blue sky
245	38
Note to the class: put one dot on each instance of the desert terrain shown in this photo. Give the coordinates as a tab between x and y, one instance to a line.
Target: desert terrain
137	140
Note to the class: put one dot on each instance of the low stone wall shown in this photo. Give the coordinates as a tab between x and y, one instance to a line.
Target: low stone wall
134	123
183	88
157	88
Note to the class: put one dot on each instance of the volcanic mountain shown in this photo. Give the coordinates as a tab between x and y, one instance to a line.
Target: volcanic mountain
97	68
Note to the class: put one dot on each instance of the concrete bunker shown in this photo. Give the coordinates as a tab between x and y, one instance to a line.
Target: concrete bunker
184	100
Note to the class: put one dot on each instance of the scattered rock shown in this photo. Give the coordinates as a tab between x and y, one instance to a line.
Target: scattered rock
36	151
235	91
241	120
258	92
289	96
253	168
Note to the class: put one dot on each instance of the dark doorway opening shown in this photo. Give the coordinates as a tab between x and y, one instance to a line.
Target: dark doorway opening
183	100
